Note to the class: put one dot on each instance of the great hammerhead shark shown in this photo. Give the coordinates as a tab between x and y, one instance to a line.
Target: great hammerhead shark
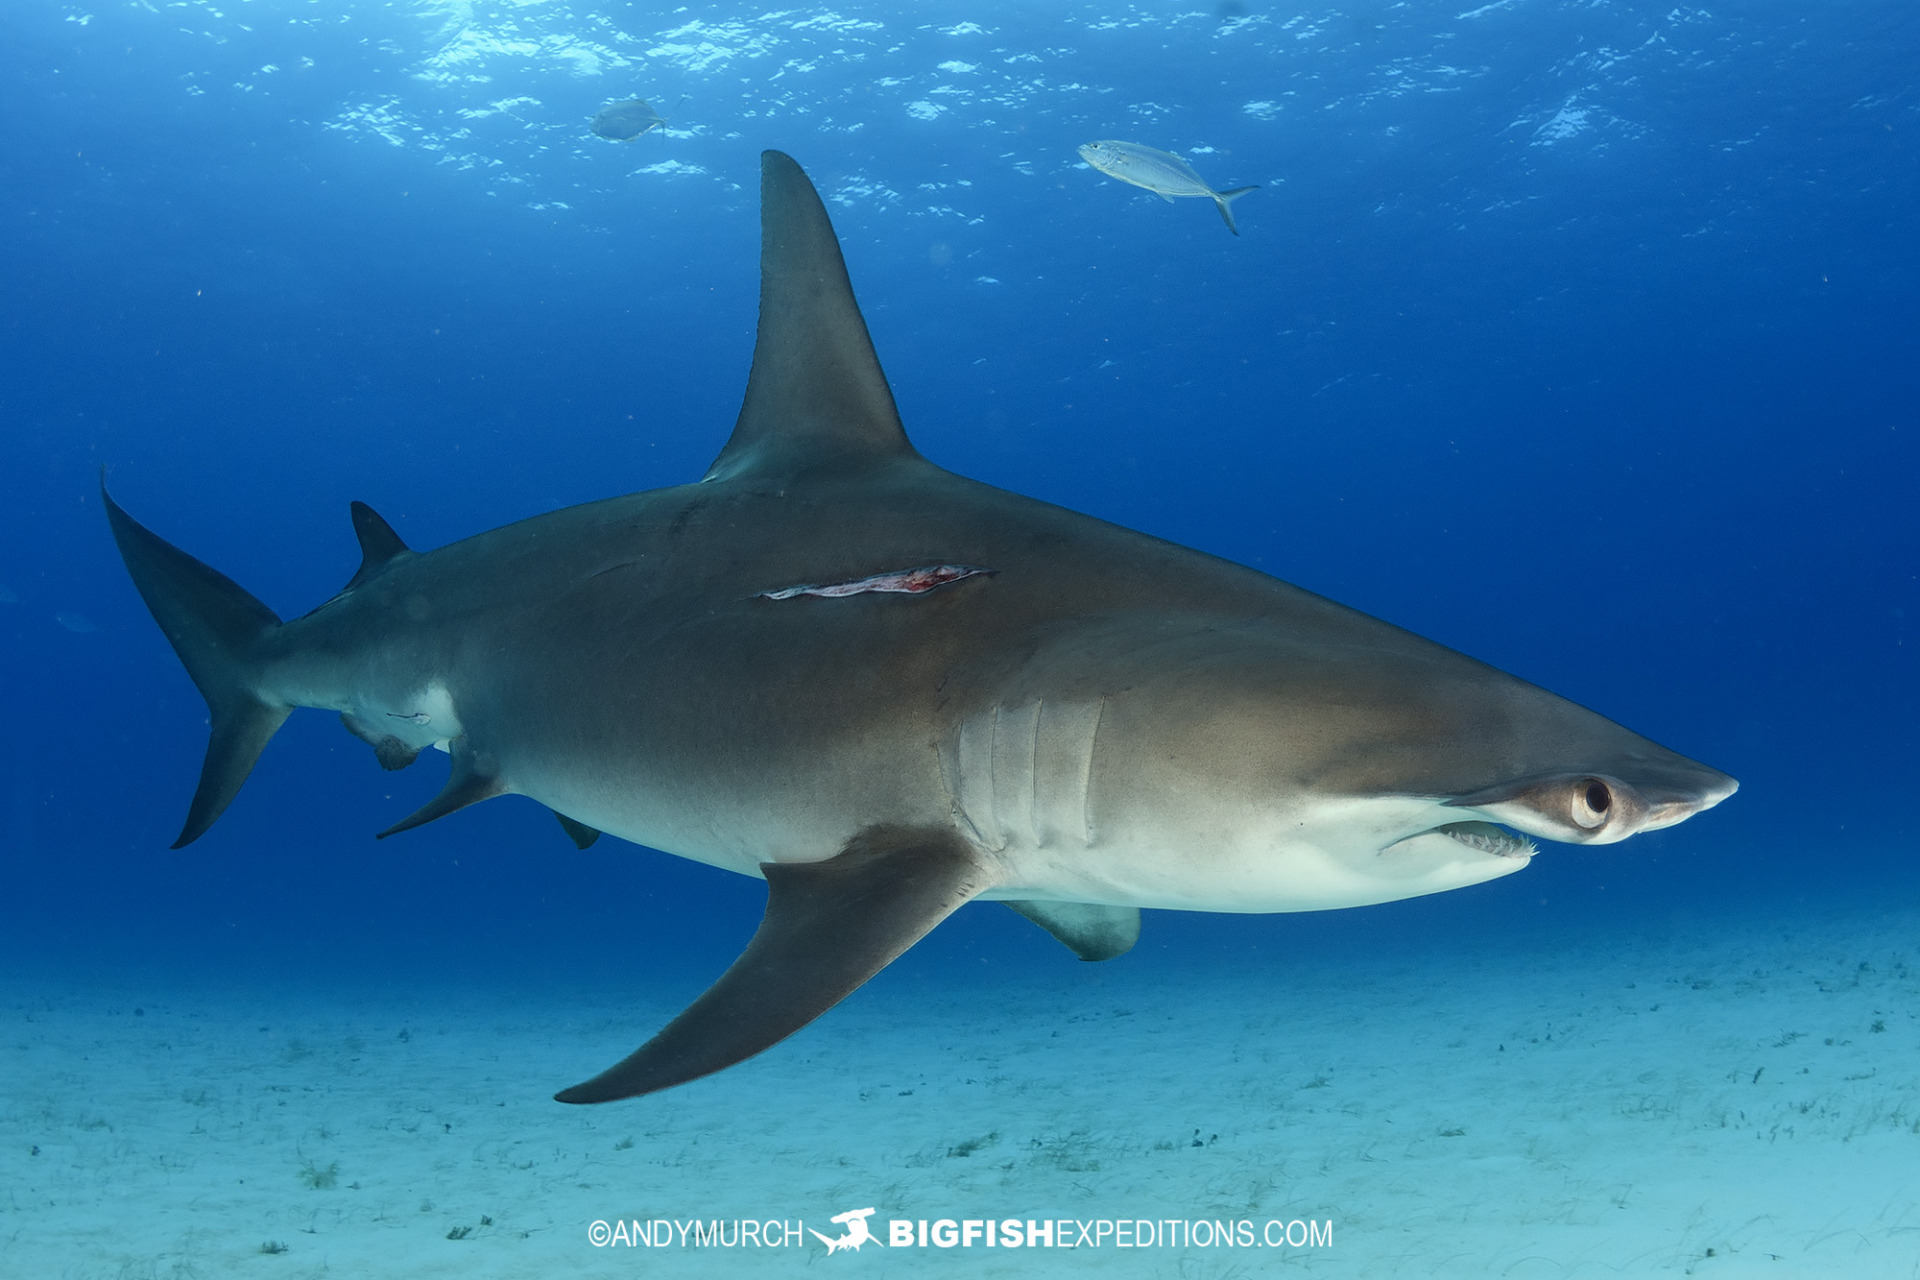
890	690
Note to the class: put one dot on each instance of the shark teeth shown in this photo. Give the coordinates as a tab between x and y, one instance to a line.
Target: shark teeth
1488	838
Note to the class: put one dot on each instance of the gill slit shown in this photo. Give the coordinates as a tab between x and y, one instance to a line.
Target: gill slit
1086	773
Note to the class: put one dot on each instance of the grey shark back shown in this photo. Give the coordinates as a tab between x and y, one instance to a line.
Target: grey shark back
888	691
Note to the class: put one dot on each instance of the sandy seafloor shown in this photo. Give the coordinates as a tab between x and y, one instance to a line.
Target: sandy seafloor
1718	1100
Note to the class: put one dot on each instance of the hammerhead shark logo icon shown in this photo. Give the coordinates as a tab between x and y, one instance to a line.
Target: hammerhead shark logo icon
855	1221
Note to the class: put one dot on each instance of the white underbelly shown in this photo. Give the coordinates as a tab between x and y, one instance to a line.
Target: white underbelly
1305	855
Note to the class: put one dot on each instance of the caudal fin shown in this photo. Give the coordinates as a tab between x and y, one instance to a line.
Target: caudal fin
1225	199
214	625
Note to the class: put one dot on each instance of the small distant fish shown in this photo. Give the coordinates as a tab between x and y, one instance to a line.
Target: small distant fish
625	121
6	596
1161	172
74	622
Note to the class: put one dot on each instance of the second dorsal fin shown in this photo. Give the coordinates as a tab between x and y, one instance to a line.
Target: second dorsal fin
379	544
816	394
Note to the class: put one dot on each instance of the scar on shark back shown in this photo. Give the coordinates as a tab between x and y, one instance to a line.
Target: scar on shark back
901	581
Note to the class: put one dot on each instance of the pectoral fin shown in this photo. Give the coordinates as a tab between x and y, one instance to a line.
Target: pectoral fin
1090	931
829	927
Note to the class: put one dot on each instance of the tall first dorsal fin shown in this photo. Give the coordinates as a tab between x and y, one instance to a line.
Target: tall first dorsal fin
379	544
816	392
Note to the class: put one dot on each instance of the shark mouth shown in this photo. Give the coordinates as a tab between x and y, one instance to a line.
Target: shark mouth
1488	838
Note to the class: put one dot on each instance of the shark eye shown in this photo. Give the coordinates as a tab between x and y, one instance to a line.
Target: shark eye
1592	801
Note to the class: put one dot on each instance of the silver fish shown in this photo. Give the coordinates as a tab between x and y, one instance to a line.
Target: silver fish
625	121
1161	172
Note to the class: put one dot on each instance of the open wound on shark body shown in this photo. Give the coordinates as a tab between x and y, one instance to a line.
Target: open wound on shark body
903	582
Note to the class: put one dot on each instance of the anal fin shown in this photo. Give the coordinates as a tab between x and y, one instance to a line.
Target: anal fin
474	779
580	833
829	927
1089	930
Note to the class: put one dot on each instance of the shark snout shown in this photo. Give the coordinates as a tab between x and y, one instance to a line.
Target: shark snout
1668	806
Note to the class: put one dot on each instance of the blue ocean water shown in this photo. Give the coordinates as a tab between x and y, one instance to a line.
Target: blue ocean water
1577	336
